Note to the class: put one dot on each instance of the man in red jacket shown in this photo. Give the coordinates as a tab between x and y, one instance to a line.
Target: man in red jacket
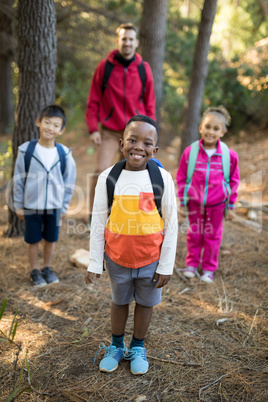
114	100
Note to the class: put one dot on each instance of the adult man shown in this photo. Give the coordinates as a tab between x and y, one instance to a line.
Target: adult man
113	102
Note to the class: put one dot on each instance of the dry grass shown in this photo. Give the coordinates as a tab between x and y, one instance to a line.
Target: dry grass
205	342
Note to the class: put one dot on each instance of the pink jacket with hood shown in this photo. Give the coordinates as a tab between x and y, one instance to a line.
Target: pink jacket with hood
208	186
122	98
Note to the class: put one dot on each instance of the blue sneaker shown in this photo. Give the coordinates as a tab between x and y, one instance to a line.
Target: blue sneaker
112	357
138	360
37	278
49	275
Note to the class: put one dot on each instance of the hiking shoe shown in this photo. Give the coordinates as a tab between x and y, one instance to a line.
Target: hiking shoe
37	278
189	272
112	357
207	276
138	360
49	275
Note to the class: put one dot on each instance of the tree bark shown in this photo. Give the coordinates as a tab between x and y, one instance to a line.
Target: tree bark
199	74
152	42
37	62
7	44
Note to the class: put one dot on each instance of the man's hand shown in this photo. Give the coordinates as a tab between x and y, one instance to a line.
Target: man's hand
229	215
96	137
20	214
89	277
162	280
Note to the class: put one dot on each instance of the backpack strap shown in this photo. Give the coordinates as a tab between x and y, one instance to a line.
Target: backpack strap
190	169
111	180
155	177
30	150
142	73
62	157
28	154
109	68
107	72
157	184
226	164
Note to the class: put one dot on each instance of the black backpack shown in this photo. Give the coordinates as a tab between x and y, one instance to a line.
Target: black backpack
108	70
155	176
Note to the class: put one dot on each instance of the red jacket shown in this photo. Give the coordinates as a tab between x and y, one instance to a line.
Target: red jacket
121	99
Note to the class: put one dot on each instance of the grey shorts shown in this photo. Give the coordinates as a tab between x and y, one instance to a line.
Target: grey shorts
128	284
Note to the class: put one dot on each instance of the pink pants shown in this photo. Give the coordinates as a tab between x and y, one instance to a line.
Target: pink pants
204	233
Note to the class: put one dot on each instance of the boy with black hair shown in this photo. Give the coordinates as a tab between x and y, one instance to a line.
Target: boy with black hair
140	245
43	187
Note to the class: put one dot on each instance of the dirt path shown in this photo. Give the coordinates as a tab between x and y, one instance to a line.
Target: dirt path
206	342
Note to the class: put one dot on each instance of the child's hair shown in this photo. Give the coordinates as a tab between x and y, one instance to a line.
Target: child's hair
53	111
127	25
221	111
145	119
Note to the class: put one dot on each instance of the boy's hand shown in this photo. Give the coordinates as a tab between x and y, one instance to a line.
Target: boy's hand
63	215
89	277
229	215
20	214
162	280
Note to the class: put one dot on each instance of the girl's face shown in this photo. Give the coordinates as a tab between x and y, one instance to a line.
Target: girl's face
212	129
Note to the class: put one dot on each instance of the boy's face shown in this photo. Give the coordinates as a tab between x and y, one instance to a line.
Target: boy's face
138	145
127	43
50	128
212	129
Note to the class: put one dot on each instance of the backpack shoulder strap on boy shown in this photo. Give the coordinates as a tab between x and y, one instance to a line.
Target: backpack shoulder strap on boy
109	68
30	150
155	177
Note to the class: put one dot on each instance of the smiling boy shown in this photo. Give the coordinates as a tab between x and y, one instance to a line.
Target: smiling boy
43	193
140	245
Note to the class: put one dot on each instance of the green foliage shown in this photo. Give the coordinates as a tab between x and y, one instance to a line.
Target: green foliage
86	34
17	390
6	156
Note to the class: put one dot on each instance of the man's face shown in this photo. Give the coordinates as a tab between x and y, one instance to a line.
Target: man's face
127	43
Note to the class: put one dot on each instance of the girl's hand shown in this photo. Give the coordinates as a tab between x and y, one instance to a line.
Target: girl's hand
162	280
229	215
89	277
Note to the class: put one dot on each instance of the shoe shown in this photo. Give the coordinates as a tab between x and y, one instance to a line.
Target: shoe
189	272
112	357
138	360
49	275
37	278
207	276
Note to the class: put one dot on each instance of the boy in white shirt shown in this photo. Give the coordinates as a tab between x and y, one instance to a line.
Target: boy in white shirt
139	242
43	187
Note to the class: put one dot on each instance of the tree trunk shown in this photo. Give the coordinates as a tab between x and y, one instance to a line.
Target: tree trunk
6	56
37	62
152	41
199	74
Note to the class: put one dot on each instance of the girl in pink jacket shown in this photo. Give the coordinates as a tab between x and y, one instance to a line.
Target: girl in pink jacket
207	194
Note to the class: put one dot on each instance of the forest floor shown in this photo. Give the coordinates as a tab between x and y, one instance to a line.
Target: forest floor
205	342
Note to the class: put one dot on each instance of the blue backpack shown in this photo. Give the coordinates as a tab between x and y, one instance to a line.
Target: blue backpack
30	150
